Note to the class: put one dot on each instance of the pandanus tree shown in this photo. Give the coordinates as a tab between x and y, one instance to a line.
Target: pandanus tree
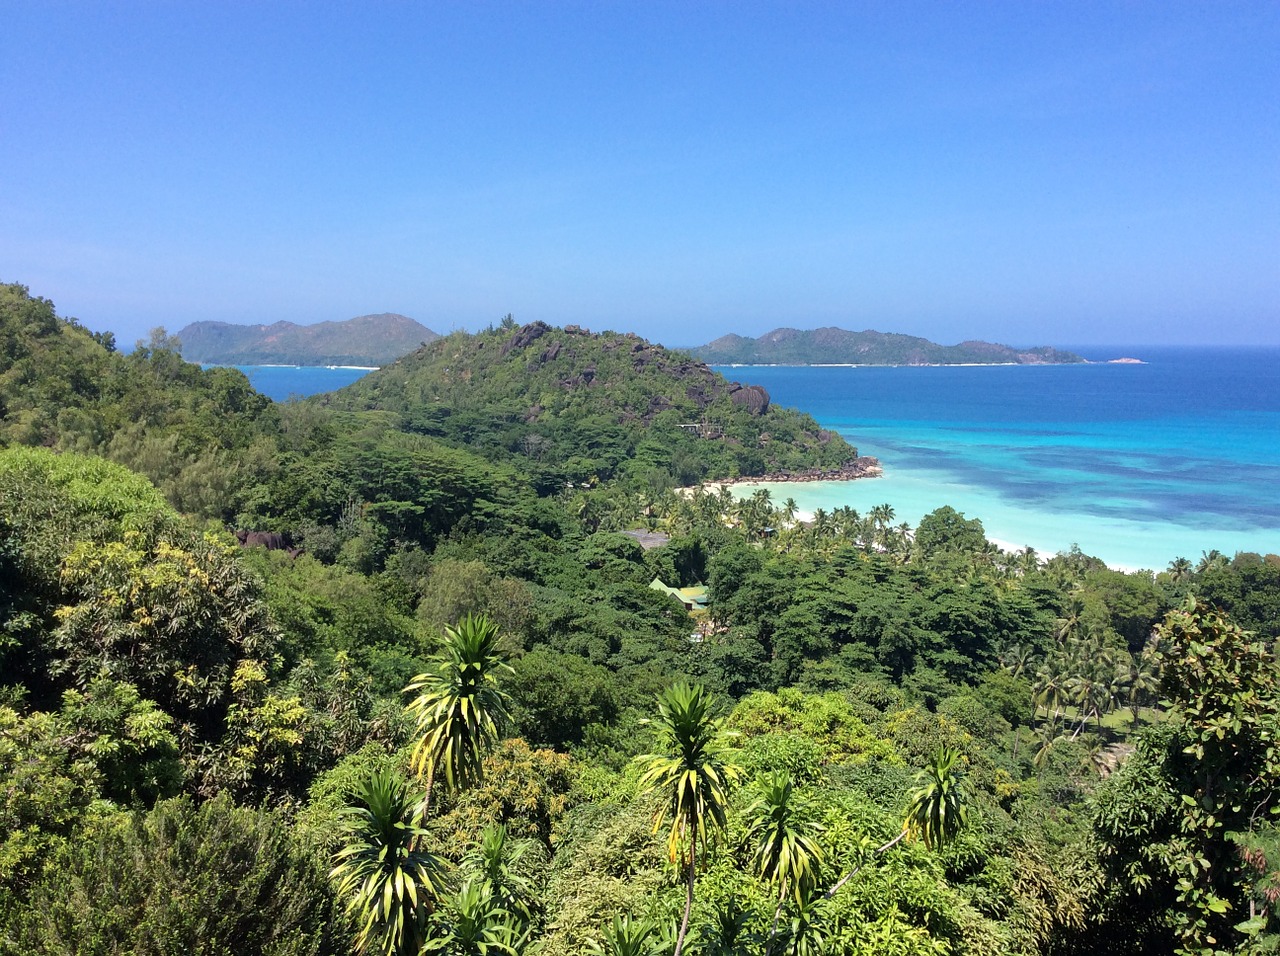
626	937
389	882
693	773
938	810
786	851
499	864
474	923
459	708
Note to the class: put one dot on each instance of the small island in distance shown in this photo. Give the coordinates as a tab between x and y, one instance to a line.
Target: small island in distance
832	346
372	341
365	341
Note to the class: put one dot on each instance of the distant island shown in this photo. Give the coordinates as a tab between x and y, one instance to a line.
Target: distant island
831	346
367	340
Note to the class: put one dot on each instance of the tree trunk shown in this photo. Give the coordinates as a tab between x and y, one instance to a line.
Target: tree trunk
856	870
773	930
688	895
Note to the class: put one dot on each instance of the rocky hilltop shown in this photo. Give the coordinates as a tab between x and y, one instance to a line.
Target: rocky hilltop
371	340
832	346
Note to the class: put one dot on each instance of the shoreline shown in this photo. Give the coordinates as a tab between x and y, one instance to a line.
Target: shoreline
864	466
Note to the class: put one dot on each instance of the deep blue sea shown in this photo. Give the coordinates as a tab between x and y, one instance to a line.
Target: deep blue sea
1138	464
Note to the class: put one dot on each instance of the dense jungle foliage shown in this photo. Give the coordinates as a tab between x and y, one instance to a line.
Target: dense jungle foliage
442	711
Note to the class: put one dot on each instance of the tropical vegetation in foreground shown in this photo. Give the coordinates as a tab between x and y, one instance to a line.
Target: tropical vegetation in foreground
450	716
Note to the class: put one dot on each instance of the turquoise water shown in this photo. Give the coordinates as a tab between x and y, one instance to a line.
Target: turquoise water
1137	464
283	382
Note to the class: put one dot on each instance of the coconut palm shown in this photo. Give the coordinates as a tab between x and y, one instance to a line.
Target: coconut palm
823	525
1211	560
1048	736
1179	570
938	807
694	775
1143	682
789	510
1029	559
389	882
459	707
881	518
1017	659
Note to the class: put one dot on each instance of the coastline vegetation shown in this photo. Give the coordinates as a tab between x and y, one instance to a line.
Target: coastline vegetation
365	341
831	346
442	711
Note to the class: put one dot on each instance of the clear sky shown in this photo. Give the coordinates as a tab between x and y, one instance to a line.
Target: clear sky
1030	173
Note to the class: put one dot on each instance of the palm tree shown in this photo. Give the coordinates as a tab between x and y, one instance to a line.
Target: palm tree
938	809
694	775
1143	682
460	707
1048	737
786	850
389	882
1017	658
1179	570
1029	559
881	517
901	540
1211	560
789	510
822	523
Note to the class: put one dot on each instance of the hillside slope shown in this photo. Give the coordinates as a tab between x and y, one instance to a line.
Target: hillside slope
364	340
578	407
832	346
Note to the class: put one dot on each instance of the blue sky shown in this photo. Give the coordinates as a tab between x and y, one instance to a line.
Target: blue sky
1031	173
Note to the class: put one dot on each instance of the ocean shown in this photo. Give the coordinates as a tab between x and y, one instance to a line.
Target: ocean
1135	463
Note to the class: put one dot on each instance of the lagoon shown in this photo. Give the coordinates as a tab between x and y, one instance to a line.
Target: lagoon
1135	463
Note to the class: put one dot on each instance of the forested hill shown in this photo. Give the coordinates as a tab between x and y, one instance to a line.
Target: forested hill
832	346
585	406
364	340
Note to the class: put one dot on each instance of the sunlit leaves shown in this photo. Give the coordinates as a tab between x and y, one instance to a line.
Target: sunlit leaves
390	883
938	808
460	707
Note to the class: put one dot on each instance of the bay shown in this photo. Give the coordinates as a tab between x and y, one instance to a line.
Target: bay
1134	463
283	382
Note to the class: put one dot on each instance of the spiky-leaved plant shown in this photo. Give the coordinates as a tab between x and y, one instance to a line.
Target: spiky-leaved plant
460	708
694	774
389	882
